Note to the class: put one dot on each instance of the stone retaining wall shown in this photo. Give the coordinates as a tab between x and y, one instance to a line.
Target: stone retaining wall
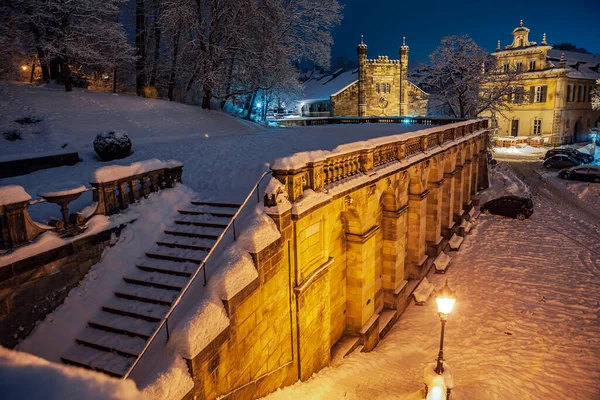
33	287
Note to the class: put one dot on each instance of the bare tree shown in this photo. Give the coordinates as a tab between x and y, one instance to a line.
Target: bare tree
596	96
464	81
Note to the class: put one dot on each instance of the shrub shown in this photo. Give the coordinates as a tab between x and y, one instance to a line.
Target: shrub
112	145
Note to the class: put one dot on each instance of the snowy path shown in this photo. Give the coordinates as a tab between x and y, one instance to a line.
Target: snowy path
526	324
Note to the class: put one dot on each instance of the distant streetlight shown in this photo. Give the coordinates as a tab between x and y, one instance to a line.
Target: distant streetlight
445	299
24	67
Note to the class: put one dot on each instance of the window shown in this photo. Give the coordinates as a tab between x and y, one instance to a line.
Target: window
537	127
538	94
590	94
584	97
389	88
579	94
532	65
506	68
569	93
517	95
518	66
377	87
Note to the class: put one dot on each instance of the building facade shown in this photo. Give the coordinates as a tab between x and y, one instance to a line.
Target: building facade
554	102
378	87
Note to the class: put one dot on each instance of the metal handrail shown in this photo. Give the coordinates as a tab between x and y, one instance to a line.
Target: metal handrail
165	320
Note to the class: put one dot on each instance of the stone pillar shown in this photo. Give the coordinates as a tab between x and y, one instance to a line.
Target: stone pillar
448	205
475	175
417	219
467	180
483	178
459	191
394	250
360	282
362	78
434	218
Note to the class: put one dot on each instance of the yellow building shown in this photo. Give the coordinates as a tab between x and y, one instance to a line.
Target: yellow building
379	87
556	101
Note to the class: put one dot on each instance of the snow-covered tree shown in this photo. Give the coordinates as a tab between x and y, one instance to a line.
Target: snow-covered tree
70	33
596	96
463	80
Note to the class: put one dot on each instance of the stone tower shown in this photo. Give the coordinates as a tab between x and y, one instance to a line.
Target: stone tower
362	78
403	78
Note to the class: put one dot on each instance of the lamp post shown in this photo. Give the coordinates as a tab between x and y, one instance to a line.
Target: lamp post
445	299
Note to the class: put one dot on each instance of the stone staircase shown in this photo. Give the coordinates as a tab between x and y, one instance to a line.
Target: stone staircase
117	334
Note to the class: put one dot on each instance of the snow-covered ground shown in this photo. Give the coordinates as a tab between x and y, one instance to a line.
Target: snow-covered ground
527	321
223	156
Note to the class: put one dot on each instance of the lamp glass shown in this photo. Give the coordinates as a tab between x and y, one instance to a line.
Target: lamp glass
445	304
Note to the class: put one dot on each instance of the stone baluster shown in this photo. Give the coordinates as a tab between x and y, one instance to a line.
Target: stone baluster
16	226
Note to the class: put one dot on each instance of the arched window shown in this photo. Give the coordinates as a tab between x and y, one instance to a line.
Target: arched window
389	88
377	87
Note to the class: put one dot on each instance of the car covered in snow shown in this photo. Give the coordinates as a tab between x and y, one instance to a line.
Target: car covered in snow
584	173
561	161
576	154
509	206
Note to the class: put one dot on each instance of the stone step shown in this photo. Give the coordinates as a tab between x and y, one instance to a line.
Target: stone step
226	212
109	363
168	267
157	280
121	324
206	220
175	254
146	294
202	232
455	242
183	242
128	346
423	291
136	309
214	204
344	347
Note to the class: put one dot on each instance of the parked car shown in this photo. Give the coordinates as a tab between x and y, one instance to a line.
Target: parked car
576	154
585	173
561	161
490	158
509	206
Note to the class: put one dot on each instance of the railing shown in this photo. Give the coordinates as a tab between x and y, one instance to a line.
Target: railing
134	182
303	121
318	174
163	327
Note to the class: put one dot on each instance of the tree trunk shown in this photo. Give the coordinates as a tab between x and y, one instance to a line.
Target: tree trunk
114	82
54	69
207	95
229	79
156	44
66	71
43	66
140	47
174	65
250	105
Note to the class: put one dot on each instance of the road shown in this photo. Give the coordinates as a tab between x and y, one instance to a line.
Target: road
527	319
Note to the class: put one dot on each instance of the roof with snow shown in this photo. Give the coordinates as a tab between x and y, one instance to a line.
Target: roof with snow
580	65
320	86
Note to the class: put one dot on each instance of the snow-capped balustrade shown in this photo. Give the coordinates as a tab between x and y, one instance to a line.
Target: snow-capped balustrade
318	169
327	120
117	186
114	188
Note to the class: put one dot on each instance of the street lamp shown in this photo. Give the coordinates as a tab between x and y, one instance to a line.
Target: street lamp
445	299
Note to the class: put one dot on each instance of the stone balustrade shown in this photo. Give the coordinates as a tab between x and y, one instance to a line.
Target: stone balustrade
317	174
114	188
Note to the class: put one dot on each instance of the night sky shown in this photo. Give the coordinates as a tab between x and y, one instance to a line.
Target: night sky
426	22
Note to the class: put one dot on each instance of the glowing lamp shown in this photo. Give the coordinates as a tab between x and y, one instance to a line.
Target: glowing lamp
445	299
436	393
24	67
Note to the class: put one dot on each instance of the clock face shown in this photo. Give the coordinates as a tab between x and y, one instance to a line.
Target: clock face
383	103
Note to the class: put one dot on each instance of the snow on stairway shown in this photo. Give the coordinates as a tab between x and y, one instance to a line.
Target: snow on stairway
110	363
423	291
118	333
455	242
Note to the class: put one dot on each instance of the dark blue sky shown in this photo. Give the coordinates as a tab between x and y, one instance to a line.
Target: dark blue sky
426	22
